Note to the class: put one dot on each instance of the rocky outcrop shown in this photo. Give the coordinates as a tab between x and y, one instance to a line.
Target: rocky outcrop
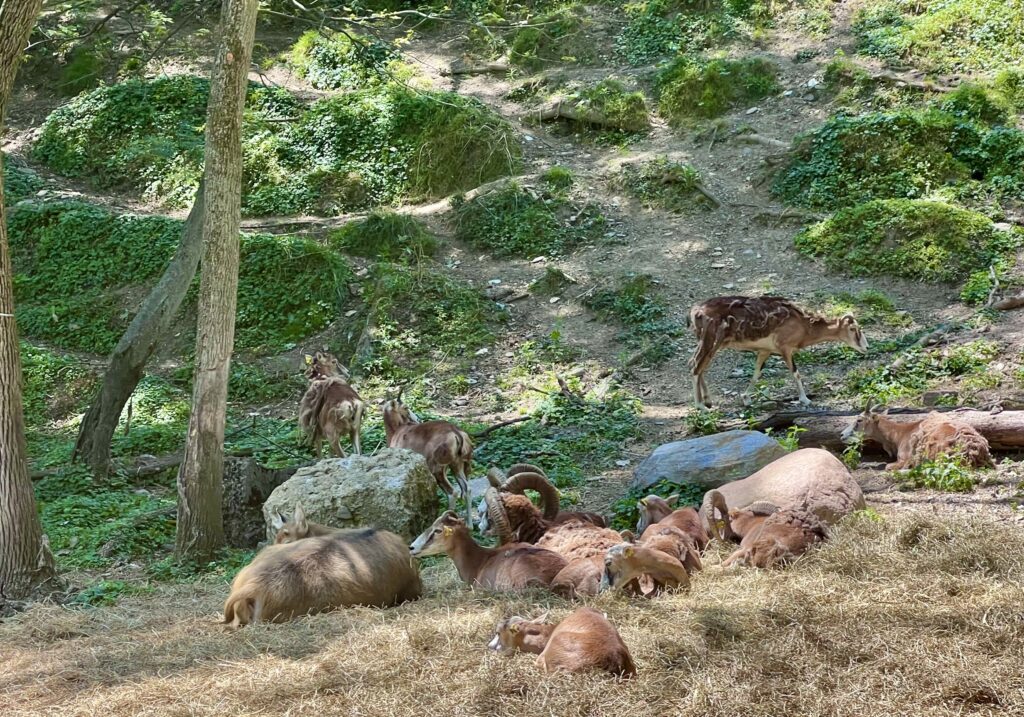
709	461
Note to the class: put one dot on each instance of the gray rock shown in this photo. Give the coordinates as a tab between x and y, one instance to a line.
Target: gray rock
392	490
709	461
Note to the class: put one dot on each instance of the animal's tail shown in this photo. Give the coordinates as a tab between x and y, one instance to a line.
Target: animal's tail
240	609
342	412
464	451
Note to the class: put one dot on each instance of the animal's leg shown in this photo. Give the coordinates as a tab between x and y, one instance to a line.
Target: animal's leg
699	363
762	356
791	365
355	441
334	440
315	444
440	475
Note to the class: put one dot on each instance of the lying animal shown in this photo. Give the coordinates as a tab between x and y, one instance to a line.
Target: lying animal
912	442
655	510
348	567
627	562
772	540
585	640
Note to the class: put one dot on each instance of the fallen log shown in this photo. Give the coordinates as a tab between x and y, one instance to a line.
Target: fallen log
1004	430
578	112
499	67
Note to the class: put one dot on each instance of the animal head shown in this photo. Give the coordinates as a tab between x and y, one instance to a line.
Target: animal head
618	566
654	508
288	531
439	537
865	424
851	334
517	633
324	365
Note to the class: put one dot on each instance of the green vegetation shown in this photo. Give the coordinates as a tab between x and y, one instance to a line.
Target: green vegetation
647	327
19	183
949	36
656	29
366	147
558	35
948	472
625	513
915	239
558	177
619	108
343	61
385	236
703	421
691	89
423	312
871	307
790	440
525	222
662	183
917	370
80	271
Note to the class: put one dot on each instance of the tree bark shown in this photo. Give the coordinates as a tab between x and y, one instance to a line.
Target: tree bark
26	563
200	528
136	347
1004	431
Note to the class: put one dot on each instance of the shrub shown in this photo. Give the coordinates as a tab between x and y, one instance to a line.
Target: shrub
663	183
948	472
385	236
19	183
914	239
697	89
342	61
559	36
951	36
80	270
370	146
557	177
625	514
661	28
977	103
514	221
644	315
619	107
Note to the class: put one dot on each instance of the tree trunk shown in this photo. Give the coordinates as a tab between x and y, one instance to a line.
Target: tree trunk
140	340
200	529
26	564
1004	431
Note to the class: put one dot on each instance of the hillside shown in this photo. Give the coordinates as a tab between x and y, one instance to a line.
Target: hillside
477	202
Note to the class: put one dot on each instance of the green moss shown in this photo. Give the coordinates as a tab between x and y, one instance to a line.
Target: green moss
647	325
622	109
514	221
691	89
557	36
80	271
663	183
908	153
950	36
557	177
914	239
333	61
387	236
978	103
370	146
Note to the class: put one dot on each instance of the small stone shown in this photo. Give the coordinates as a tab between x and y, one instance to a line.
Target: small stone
494	282
350	313
622	463
509	354
537	260
728	286
718	266
787	93
813	83
752	110
554	299
460	401
482	352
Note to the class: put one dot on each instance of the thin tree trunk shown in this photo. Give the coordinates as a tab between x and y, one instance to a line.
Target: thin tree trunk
200	524
140	340
26	564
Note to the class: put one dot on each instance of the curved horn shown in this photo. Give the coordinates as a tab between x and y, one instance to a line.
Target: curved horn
398	396
762	507
494	477
715	501
526	468
548	493
498	516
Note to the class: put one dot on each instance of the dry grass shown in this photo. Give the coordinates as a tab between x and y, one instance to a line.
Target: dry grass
911	615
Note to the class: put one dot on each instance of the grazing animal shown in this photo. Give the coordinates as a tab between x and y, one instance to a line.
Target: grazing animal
507	510
290	531
443	444
627	562
778	538
914	441
655	510
810	476
585	640
766	325
330	408
515	566
348	567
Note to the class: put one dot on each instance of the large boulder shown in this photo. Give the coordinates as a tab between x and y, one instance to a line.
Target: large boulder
392	490
708	461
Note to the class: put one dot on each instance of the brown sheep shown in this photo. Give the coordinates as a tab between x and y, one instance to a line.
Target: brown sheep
290	531
348	567
779	538
912	442
655	510
585	640
516	566
330	408
443	444
627	562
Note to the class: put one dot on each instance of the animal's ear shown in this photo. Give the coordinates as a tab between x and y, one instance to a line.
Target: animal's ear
277	520
848	320
642	503
628	552
627	535
299	517
672	499
513	627
447	531
308	359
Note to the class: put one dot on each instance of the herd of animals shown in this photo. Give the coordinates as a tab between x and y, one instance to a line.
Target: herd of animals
774	515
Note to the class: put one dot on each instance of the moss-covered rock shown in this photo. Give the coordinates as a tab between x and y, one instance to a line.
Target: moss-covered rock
690	88
914	239
370	146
